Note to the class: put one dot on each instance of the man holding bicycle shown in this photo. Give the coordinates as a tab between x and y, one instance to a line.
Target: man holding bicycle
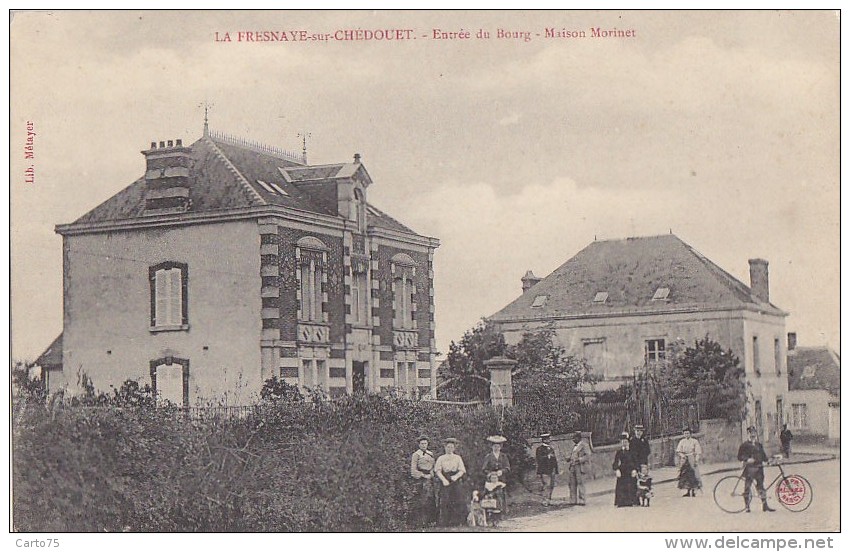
752	454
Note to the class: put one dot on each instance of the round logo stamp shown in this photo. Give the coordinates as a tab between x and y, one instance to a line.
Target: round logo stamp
791	491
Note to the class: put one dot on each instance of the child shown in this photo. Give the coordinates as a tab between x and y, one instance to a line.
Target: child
477	516
644	485
494	496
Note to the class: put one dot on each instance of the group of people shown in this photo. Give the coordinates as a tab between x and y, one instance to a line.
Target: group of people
578	468
631	468
442	494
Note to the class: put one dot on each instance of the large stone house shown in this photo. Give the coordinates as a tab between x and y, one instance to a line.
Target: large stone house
230	262
620	304
814	391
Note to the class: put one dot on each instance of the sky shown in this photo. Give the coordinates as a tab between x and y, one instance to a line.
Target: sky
722	127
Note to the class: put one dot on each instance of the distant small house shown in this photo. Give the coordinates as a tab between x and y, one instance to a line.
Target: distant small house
814	390
50	361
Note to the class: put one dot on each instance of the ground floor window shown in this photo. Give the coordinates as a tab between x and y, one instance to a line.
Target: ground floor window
799	416
170	380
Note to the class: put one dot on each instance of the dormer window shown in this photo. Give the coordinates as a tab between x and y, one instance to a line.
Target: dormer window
600	297
661	294
539	301
271	187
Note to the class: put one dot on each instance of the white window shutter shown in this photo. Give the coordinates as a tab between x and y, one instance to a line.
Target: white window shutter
161	287
175	305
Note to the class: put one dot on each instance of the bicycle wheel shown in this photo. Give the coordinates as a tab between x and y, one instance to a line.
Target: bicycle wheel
729	494
794	492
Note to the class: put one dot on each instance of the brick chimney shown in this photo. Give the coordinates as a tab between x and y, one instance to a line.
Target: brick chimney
759	281
167	175
529	280
792	341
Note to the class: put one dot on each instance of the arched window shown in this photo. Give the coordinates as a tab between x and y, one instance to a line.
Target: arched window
312	258
404	269
170	380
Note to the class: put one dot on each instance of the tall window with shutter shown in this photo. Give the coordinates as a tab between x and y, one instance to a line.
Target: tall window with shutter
311	291
312	260
403	302
359	305
169	285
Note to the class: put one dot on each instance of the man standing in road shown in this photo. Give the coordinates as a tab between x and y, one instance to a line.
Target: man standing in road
752	454
639	445
547	465
579	466
785	437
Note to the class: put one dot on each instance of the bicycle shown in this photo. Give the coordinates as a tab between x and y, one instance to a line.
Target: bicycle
794	491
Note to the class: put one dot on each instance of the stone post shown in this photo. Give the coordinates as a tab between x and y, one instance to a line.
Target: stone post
501	386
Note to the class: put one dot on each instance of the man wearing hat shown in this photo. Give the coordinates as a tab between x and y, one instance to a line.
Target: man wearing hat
579	467
752	454
547	464
639	445
422	472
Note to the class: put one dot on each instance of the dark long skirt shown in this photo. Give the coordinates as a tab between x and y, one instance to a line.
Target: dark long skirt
688	477
625	493
453	507
424	503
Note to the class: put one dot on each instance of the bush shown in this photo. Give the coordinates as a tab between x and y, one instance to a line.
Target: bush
275	389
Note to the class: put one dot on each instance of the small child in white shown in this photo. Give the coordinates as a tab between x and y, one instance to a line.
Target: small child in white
644	485
477	516
494	496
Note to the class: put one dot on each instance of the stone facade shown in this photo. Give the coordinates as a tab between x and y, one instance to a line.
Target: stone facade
619	304
285	268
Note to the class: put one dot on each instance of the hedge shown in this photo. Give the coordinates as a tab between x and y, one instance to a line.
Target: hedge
291	466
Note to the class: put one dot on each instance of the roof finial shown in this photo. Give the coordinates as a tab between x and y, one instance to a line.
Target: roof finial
304	136
206	105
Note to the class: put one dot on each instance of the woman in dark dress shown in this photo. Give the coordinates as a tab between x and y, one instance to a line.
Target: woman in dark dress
497	462
450	470
625	468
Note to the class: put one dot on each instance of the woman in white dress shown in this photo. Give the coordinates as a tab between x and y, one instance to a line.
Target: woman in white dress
449	469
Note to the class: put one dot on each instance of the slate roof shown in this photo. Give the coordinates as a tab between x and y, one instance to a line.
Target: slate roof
814	368
52	356
226	174
631	271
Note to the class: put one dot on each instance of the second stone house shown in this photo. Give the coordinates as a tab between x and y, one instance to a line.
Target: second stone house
621	303
230	262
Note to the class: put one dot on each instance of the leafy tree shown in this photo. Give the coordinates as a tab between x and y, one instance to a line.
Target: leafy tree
29	389
716	378
543	365
464	375
708	373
